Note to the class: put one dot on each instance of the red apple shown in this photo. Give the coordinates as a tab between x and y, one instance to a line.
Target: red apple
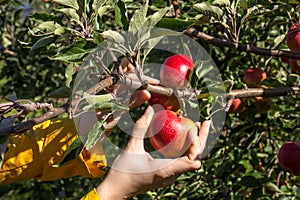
293	37
168	133
294	66
253	76
236	106
175	71
289	157
160	102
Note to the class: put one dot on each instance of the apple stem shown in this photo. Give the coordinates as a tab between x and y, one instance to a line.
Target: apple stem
179	113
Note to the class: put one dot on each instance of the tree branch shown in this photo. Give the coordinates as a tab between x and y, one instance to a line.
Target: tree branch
189	93
21	127
241	47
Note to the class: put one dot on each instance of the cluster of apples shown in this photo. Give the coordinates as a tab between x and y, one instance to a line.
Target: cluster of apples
293	42
168	130
289	153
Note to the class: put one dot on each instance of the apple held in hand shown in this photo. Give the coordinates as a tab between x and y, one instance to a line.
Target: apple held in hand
175	71
253	76
293	37
161	102
289	157
168	133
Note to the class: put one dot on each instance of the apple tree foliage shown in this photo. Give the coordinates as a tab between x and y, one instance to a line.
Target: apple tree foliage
44	43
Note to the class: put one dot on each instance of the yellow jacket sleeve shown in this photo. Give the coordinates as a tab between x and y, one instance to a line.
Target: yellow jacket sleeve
92	195
34	157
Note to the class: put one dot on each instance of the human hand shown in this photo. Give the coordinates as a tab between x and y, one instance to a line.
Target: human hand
135	171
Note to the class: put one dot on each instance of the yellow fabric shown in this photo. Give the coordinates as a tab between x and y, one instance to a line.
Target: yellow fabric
92	195
34	157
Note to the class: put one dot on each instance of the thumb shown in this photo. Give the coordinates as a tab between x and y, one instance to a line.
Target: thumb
136	142
182	165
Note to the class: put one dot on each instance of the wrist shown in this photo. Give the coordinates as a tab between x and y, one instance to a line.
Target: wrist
107	191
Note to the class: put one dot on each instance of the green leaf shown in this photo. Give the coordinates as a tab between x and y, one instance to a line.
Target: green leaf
40	17
97	99
113	36
75	52
222	3
138	19
156	17
278	40
71	13
73	151
201	70
70	71
175	24
59	31
94	134
48	27
272	187
62	92
43	42
121	15
69	3
209	10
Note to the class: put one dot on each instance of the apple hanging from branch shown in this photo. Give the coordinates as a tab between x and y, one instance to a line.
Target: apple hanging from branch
293	37
289	157
253	76
175	71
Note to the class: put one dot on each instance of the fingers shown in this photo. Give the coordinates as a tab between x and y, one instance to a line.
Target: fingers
181	165
198	140
136	142
139	97
195	146
203	134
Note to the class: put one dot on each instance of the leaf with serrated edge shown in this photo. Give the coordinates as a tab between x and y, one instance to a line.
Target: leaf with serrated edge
94	134
71	13
69	3
138	19
113	35
209	10
221	2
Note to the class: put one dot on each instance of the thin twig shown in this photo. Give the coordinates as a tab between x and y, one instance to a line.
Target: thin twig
242	47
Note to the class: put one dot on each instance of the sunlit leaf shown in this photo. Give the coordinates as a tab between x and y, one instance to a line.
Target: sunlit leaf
209	9
94	134
69	3
138	19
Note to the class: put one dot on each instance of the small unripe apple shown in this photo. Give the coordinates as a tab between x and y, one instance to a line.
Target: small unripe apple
294	66
168	133
175	71
162	102
253	76
293	37
236	106
289	157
